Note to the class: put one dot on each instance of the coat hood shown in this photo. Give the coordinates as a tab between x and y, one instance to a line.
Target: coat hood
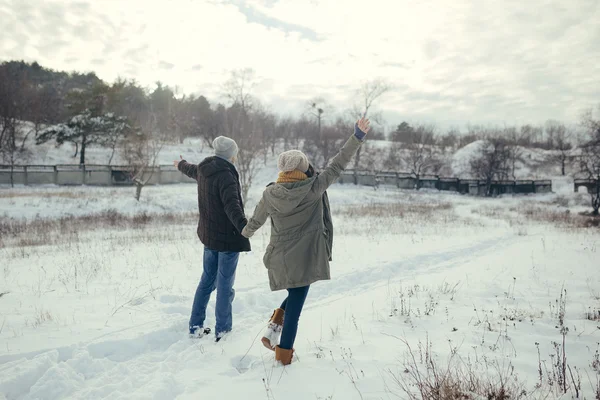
215	165
284	197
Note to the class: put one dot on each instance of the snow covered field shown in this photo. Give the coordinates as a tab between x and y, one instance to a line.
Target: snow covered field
96	306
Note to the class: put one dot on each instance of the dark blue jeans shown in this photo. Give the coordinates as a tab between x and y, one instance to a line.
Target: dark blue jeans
293	307
219	273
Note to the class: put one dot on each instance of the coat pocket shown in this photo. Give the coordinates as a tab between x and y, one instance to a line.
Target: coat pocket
267	256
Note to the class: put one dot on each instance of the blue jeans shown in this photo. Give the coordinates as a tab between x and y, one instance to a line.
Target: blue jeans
293	307
219	273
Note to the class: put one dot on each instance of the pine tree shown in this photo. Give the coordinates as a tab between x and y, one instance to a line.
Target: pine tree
85	129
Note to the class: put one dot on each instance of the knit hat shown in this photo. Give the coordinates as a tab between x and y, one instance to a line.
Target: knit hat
225	147
291	160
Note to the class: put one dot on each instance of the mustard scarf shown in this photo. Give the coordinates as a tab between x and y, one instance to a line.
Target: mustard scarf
291	176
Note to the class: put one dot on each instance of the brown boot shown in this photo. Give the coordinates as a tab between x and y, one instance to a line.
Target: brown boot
271	336
283	355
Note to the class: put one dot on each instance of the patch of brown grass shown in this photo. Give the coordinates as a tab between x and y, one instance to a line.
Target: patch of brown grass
593	314
540	214
427	379
396	209
43	231
46	195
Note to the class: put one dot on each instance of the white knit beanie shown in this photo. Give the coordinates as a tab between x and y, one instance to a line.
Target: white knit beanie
225	147
291	160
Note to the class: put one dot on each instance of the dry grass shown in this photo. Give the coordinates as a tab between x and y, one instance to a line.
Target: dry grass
408	216
40	318
559	218
10	194
593	314
525	212
422	377
43	231
400	210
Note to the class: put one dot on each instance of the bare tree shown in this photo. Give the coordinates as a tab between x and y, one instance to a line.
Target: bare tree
514	150
368	93
9	149
12	107
560	142
321	150
492	161
265	124
589	159
141	151
238	88
115	129
373	158
240	124
531	134
450	139
249	154
284	130
418	157
320	139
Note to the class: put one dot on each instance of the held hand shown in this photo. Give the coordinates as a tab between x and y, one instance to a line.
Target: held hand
246	233
364	124
176	162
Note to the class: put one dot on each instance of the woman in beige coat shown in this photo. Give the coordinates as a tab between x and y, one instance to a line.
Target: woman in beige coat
298	253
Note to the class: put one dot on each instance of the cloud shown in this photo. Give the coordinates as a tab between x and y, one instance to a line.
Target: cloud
253	15
165	65
472	61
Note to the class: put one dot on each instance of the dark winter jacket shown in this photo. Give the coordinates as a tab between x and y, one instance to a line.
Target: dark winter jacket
222	217
328	223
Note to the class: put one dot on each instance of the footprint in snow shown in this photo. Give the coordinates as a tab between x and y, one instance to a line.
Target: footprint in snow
244	363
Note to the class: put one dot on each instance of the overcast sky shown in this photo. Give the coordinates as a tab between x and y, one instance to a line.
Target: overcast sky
450	61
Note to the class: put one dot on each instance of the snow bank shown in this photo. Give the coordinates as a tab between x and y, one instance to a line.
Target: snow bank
461	160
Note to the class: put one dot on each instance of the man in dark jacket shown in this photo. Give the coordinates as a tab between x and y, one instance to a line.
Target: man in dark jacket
220	224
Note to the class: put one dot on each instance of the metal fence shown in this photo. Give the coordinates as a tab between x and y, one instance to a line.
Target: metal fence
114	175
94	175
465	186
589	184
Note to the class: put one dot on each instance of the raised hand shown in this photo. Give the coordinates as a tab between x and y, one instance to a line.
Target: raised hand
176	162
364	124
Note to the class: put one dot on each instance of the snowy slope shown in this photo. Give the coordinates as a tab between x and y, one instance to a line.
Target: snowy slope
533	163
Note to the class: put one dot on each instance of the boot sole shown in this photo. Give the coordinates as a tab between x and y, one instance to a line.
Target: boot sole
267	343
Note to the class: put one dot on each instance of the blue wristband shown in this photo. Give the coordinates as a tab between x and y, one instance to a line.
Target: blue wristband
360	135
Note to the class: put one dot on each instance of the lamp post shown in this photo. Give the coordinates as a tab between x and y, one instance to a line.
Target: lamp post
319	113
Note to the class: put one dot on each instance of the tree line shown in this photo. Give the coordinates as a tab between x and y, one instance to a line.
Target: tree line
136	122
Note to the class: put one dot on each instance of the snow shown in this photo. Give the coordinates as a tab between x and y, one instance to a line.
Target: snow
461	160
104	315
533	163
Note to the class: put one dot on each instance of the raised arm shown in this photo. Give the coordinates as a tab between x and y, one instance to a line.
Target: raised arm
258	219
341	160
230	196
190	170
